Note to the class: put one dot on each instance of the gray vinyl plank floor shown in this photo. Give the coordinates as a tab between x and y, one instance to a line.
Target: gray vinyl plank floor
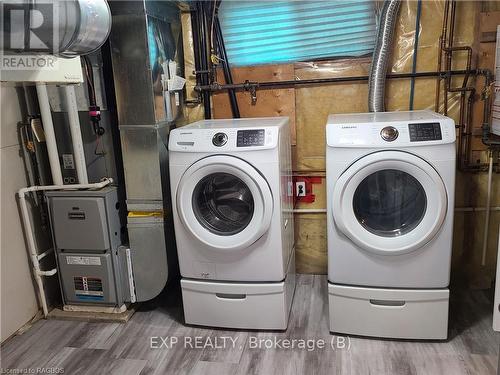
126	349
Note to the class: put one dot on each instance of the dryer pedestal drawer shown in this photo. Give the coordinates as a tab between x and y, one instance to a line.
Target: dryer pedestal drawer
391	313
238	305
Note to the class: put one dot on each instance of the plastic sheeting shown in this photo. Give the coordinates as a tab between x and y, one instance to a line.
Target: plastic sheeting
313	104
264	32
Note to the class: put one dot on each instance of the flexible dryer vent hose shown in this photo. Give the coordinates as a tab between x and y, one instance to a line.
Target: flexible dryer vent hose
381	53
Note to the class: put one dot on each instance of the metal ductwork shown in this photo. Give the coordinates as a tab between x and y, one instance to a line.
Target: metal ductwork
381	54
145	42
67	28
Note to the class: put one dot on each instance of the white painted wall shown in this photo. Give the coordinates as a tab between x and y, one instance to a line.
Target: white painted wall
18	302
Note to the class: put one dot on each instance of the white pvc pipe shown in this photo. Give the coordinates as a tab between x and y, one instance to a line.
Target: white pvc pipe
50	137
488	204
31	238
76	134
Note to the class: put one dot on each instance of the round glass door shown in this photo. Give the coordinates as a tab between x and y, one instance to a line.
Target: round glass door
389	203
223	204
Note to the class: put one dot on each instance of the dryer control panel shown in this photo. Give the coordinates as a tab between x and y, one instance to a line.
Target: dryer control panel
428	131
390	129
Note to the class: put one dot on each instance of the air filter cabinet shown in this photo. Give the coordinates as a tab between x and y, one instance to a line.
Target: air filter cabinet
92	266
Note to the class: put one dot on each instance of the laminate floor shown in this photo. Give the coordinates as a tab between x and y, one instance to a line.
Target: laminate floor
147	343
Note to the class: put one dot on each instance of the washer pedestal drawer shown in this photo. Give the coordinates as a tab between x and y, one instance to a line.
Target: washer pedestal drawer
391	313
239	305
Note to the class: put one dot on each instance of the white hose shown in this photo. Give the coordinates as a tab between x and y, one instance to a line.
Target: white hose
76	134
487	211
37	273
50	137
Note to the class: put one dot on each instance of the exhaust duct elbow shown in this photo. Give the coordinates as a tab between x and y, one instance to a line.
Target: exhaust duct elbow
381	53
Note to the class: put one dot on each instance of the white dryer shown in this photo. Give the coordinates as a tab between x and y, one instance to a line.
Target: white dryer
231	184
390	181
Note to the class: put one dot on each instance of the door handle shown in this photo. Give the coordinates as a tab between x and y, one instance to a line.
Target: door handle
231	296
388	303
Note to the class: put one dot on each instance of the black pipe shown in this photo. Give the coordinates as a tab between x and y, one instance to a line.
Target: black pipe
196	45
90	81
226	68
200	53
203	28
109	85
306	82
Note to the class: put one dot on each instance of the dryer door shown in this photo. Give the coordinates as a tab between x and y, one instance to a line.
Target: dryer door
224	202
389	202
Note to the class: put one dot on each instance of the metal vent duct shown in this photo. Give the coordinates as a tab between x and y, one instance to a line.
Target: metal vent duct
65	28
381	54
146	36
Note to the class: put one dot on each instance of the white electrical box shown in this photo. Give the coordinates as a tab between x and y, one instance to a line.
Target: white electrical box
40	69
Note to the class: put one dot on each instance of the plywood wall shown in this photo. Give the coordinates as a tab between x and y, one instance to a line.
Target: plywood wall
309	107
269	102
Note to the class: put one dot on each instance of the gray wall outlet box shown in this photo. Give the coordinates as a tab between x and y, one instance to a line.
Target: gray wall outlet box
86	232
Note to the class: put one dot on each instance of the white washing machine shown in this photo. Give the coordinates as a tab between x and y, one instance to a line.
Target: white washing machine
390	181
231	183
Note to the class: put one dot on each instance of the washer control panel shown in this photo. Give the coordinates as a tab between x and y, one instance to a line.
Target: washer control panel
429	131
251	137
389	133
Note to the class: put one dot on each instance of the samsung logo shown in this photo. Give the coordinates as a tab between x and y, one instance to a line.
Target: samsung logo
349	126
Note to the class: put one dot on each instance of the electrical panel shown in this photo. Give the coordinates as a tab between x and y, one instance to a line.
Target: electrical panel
93	268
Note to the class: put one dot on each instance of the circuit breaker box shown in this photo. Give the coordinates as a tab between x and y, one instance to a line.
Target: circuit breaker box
93	268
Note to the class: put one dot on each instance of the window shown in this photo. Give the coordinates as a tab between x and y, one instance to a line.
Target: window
263	32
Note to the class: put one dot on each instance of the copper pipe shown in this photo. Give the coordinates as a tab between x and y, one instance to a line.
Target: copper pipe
463	159
468	129
465	118
452	26
438	80
448	53
450	50
465	122
463	133
444	34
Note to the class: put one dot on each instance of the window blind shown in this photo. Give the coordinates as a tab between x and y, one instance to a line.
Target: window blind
262	32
